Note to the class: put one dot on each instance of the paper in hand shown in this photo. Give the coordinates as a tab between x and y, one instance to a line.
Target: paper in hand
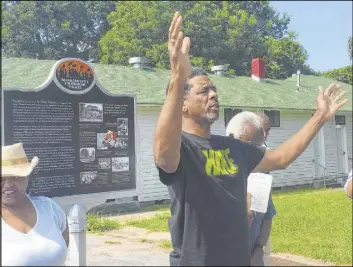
259	185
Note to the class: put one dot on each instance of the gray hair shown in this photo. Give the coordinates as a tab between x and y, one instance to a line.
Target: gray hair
246	123
263	116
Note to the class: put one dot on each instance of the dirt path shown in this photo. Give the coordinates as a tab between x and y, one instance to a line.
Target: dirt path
126	247
137	247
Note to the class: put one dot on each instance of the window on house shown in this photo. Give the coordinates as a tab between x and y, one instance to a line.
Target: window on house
229	113
274	116
340	120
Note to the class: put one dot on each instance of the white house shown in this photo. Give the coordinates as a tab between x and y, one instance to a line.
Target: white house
329	155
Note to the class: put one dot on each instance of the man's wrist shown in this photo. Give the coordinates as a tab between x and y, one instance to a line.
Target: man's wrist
175	83
176	78
320	117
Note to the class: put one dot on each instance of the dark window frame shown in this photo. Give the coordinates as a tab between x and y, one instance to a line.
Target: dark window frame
271	114
338	121
229	113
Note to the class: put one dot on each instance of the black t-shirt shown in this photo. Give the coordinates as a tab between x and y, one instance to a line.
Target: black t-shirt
209	224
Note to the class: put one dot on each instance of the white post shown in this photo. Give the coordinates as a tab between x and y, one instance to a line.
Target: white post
77	221
298	78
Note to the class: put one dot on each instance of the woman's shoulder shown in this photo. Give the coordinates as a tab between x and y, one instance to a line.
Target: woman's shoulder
46	203
40	200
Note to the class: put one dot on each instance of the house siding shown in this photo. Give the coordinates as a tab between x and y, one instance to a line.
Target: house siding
151	187
349	127
331	145
300	172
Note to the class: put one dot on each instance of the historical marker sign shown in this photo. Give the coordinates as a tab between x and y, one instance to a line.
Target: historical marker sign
84	136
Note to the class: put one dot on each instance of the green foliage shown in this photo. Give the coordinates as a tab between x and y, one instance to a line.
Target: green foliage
284	57
137	29
53	29
166	244
98	224
342	74
158	223
221	32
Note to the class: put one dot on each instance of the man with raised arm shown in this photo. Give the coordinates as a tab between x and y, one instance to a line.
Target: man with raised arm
206	174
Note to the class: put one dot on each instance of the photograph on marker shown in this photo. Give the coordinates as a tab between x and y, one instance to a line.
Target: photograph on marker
122	128
108	140
88	177
87	154
91	112
120	164
104	163
122	143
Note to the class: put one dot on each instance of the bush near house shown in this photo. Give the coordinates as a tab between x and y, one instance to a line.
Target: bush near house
342	74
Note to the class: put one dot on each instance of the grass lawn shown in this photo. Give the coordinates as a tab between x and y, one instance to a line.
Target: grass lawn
96	224
158	223
316	225
312	223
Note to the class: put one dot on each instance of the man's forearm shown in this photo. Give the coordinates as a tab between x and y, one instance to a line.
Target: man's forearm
167	138
290	150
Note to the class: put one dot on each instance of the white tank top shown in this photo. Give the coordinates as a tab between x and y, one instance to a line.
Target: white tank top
44	245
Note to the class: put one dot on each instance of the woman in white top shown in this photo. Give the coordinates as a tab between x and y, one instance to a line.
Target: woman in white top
34	229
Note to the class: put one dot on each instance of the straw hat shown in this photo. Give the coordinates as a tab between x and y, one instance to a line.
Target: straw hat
14	161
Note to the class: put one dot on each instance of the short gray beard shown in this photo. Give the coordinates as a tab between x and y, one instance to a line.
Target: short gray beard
211	118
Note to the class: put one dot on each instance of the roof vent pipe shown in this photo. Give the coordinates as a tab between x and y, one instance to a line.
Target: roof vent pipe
298	81
298	78
138	62
219	69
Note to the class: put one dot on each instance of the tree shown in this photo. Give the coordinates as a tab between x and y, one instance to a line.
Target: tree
221	32
53	29
284	57
341	74
137	29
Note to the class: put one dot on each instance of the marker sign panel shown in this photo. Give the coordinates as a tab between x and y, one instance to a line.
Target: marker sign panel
83	136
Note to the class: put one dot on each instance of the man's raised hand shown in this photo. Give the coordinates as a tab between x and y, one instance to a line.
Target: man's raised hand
178	48
328	103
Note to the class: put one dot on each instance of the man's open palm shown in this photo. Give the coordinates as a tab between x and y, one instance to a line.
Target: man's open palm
178	48
328	103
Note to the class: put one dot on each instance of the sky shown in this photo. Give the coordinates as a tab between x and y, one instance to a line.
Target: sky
323	28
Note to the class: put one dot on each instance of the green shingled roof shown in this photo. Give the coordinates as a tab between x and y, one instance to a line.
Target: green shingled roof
149	85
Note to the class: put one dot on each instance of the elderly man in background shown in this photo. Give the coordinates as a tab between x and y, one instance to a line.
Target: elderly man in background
264	246
247	127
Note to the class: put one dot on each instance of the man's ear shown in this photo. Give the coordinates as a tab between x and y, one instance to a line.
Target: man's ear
185	109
